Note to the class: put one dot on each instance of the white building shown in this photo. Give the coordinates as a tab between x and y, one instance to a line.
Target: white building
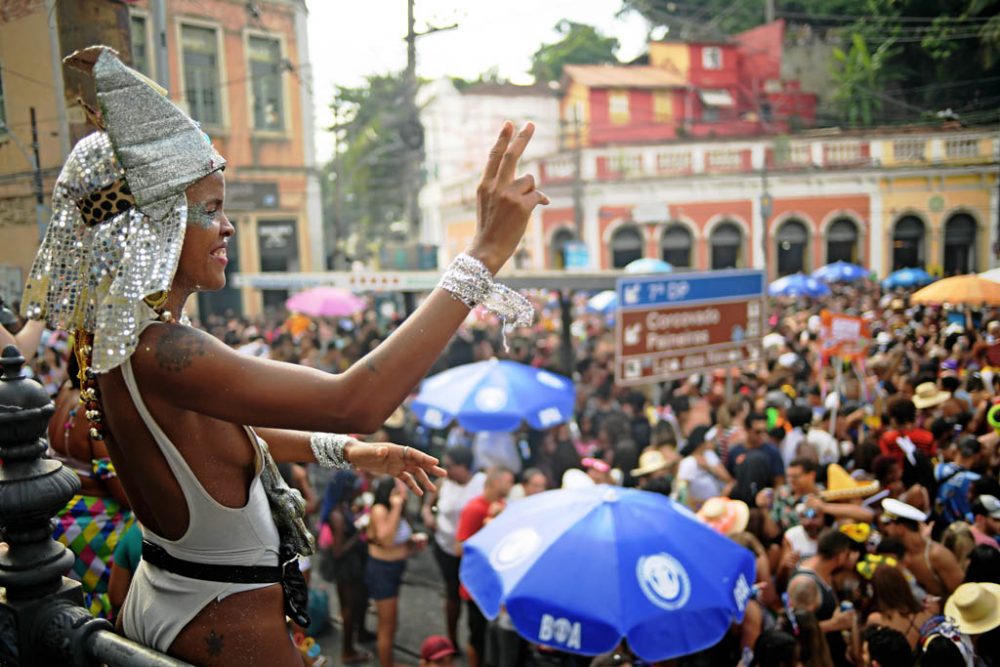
460	127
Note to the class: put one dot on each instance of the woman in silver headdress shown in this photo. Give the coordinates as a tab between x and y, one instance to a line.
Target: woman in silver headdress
194	428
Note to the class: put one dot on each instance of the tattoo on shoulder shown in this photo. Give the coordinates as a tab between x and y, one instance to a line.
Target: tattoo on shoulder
176	348
213	643
370	365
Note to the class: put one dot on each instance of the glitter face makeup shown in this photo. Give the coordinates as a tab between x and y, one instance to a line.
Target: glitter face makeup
200	215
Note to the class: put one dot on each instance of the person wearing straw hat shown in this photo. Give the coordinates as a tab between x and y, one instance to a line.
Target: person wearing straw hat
724	515
652	465
929	396
935	568
842	498
975	609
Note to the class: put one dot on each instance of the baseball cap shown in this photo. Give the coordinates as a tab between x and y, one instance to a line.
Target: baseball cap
436	647
986	505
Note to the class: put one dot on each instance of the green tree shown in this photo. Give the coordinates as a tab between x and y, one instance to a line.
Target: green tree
375	136
860	75
580	45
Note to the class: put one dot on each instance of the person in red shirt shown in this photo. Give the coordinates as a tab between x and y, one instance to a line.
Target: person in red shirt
476	514
902	415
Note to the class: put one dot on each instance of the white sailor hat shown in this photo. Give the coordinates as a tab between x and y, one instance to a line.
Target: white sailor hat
897	509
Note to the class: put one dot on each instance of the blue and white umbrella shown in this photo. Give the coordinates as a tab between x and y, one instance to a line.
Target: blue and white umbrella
798	285
581	569
603	302
495	396
907	278
840	272
648	265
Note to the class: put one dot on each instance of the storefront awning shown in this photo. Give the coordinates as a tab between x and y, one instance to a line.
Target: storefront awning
717	98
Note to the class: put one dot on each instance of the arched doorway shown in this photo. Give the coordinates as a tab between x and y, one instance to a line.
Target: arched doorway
726	242
675	245
908	243
842	241
960	245
626	246
792	241
557	251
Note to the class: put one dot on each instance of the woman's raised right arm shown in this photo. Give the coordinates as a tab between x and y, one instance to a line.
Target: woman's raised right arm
194	371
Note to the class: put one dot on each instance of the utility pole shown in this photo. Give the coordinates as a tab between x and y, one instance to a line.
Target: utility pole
577	174
338	188
769	11
412	130
39	191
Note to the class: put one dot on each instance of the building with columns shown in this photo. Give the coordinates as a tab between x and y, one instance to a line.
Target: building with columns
886	199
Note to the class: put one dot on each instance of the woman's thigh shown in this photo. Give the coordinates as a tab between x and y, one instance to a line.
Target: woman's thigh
243	629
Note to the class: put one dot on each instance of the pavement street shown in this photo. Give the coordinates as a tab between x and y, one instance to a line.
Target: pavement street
421	613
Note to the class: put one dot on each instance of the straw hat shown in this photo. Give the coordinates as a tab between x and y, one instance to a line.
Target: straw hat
725	515
975	608
841	486
650	461
929	395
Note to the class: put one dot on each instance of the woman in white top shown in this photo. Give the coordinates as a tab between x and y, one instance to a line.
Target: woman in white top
702	470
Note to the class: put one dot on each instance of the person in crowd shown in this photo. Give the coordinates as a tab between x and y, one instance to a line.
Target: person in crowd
935	568
441	511
476	514
955	479
347	554
701	470
984	566
801	541
885	647
783	501
653	465
975	610
391	541
94	520
895	606
757	464
835	554
437	651
154	383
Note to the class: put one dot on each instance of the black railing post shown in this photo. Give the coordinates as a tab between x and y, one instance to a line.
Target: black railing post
42	618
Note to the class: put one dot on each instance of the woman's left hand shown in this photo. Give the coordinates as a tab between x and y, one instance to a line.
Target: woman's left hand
404	463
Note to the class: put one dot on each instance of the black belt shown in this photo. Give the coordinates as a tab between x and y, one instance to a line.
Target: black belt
230	574
287	574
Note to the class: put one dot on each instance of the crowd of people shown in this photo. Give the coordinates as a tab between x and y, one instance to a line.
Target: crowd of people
868	493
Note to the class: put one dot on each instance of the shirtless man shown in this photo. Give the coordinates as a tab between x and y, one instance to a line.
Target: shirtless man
935	568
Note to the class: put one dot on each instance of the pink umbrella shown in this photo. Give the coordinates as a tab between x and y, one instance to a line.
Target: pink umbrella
325	302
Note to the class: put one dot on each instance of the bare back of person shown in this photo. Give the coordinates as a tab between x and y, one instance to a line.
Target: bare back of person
245	628
919	563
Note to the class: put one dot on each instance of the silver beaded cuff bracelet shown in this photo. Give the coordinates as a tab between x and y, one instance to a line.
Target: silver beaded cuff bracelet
469	281
329	450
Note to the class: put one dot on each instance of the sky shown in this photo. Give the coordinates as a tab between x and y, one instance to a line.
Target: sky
348	40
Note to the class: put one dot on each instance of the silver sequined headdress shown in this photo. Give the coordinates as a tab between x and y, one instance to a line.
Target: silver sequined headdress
119	212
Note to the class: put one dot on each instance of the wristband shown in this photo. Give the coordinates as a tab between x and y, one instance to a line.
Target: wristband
329	450
469	281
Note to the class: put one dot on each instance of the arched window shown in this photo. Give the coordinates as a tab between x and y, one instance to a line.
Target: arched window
626	246
726	242
557	251
676	245
908	243
842	241
792	240
960	245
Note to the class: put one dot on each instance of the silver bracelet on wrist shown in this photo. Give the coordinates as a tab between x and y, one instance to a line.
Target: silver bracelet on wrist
329	450
469	281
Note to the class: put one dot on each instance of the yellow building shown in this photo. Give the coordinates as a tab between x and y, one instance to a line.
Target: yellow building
237	68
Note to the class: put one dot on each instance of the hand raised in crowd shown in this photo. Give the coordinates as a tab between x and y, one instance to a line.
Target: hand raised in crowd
841	620
503	202
404	463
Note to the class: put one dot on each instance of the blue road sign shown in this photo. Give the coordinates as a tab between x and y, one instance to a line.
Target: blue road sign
689	289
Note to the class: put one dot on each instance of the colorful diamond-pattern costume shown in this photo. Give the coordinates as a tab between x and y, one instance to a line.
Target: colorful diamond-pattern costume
91	527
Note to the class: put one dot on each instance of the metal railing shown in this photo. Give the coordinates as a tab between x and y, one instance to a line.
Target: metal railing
42	618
